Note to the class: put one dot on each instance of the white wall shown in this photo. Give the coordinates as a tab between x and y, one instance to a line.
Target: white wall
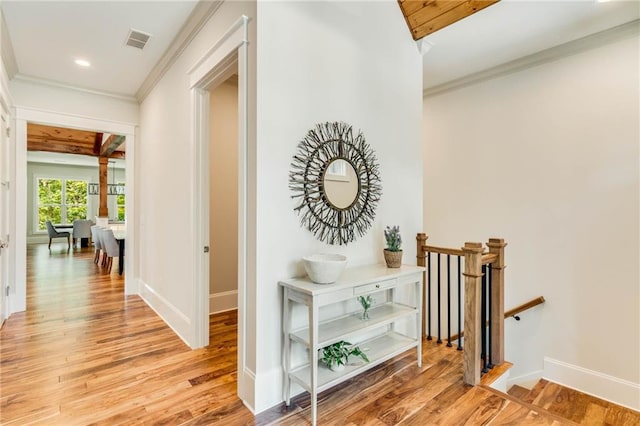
75	102
223	201
166	205
547	158
329	61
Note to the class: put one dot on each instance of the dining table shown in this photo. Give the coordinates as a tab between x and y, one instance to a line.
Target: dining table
120	234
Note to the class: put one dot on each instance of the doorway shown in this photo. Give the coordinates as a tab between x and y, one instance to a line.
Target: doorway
29	115
228	54
223	201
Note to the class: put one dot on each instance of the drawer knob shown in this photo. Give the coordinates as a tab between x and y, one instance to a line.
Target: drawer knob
377	285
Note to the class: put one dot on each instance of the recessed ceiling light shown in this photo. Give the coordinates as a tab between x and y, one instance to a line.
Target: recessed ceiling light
82	63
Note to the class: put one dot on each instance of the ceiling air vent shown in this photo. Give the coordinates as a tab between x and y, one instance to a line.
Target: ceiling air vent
137	39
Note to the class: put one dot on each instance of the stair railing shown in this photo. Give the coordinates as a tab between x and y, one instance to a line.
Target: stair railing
482	300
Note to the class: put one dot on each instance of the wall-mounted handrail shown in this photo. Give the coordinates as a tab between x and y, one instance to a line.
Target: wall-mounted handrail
510	313
525	306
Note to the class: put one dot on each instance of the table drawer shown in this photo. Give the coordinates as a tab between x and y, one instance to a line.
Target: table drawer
369	288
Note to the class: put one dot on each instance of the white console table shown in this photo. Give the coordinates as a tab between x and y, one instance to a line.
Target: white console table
318	333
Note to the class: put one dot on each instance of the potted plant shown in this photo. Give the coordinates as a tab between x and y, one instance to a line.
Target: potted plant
393	252
336	356
366	302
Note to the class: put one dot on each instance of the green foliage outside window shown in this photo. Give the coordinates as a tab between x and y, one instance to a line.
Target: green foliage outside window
52	213
49	191
120	205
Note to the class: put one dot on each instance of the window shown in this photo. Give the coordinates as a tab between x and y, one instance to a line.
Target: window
120	204
61	200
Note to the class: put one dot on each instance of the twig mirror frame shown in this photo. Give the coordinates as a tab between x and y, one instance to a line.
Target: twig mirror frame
322	145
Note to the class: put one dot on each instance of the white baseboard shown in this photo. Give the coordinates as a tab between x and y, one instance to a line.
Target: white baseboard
268	389
248	384
175	319
222	302
526	380
603	386
41	239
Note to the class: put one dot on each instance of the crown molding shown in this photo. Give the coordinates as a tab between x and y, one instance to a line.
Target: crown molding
200	15
573	47
50	83
8	55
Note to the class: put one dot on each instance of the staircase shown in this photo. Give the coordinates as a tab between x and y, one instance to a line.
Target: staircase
574	406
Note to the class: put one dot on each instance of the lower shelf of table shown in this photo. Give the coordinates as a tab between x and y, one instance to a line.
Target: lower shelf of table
378	350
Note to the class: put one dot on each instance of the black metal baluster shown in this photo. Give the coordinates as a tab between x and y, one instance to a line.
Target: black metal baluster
449	300
459	304
483	318
429	295
439	319
489	273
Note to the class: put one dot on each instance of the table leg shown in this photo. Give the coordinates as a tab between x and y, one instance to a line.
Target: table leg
286	356
120	256
313	356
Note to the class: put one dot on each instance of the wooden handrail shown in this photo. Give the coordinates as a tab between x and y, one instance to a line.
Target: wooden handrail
510	313
443	250
530	304
475	256
489	258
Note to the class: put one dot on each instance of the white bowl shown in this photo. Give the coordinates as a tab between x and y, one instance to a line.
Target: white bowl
324	268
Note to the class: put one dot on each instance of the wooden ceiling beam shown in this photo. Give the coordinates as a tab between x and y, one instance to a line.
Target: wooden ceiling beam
71	141
111	144
427	17
58	146
118	154
97	143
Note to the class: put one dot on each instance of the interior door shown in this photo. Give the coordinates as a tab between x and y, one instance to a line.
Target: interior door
4	219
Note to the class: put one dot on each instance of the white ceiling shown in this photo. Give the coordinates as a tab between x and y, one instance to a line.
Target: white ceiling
511	29
48	35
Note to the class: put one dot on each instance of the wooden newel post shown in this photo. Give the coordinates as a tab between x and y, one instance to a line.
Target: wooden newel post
421	241
103	210
472	312
496	246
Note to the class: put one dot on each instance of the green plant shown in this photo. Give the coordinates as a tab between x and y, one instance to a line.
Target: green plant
394	240
339	353
366	302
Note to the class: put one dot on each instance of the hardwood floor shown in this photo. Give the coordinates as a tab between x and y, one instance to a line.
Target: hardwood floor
82	354
576	406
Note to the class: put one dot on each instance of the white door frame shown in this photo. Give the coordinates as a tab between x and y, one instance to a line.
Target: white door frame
25	115
212	69
5	197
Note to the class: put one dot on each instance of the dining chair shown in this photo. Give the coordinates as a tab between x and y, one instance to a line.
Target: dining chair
81	229
54	233
110	245
97	242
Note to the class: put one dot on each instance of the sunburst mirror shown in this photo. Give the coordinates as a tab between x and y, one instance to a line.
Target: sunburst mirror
335	182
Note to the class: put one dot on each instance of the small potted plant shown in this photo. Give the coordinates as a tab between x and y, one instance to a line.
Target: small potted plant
336	356
393	252
366	302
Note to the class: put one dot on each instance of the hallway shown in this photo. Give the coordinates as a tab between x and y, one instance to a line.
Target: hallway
82	354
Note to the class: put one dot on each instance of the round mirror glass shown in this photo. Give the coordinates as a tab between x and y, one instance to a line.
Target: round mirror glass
340	183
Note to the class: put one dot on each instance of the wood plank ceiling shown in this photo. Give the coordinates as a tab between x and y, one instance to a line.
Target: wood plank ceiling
72	141
428	16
